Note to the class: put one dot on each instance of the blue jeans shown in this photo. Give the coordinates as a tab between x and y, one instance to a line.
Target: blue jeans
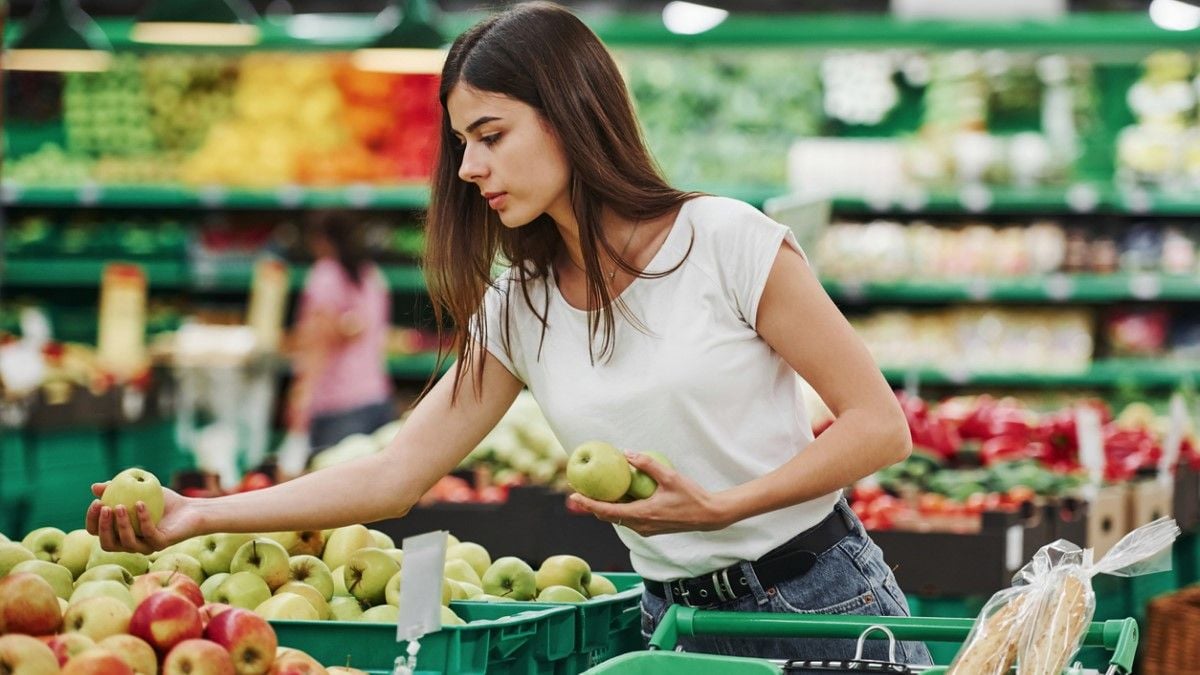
849	578
329	428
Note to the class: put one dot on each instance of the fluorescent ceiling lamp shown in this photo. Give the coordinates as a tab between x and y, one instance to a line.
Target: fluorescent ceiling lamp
1174	15
688	18
198	22
414	46
59	37
330	27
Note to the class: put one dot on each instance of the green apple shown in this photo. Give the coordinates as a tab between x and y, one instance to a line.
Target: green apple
103	587
449	618
302	542
476	556
265	557
12	553
600	586
599	470
181	563
457	592
45	543
471	590
219	550
451	540
344	542
345	608
564	570
339	581
136	563
391	592
510	577
242	589
488	597
106	571
209	588
56	575
381	614
309	593
287	606
97	618
77	549
560	594
397	555
367	573
460	570
130	487
641	485
312	571
382	540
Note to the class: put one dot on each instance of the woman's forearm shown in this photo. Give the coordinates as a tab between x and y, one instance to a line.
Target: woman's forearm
858	444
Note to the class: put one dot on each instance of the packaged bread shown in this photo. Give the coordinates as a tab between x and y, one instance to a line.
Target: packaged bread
991	649
1057	626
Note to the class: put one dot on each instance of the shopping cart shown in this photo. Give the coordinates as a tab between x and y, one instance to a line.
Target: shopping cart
1120	636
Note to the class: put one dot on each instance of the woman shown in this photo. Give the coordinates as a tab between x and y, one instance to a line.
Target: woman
341	385
636	314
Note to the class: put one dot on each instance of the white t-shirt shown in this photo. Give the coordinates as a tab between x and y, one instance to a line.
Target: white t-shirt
700	386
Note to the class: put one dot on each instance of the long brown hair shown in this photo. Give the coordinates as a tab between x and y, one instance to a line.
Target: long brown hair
542	55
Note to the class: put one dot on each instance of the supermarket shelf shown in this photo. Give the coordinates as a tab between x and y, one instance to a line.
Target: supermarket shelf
1102	374
416	366
179	197
1047	289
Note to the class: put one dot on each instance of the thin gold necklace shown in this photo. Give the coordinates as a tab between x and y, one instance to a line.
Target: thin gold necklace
612	275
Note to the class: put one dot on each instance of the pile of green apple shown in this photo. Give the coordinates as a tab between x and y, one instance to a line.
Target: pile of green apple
600	471
521	448
107	113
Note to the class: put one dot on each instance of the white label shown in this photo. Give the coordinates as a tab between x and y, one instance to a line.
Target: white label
979	289
1060	287
1091	447
1139	201
1176	428
853	290
290	196
1083	198
89	193
1014	548
360	195
10	192
212	195
1144	286
975	198
421	592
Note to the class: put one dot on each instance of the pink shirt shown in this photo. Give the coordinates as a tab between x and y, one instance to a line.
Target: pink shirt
357	371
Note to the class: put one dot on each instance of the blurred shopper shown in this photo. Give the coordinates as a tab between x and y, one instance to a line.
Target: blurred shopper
637	314
341	385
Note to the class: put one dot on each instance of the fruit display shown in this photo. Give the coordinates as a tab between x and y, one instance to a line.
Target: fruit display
980	339
49	165
1162	146
108	113
187	94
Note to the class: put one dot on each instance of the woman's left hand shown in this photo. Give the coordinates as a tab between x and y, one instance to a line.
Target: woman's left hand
679	504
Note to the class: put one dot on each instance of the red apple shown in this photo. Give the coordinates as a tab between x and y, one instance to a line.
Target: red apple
296	662
133	650
66	645
152	582
210	609
97	662
24	655
247	636
198	657
165	619
28	605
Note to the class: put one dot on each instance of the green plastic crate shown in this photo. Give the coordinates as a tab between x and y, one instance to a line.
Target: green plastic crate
151	446
63	466
501	639
682	663
1187	558
952	608
607	626
14	482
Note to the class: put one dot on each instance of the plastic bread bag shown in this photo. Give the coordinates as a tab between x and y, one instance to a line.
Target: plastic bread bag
1040	622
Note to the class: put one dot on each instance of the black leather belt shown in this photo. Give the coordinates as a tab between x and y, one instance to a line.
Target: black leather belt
790	560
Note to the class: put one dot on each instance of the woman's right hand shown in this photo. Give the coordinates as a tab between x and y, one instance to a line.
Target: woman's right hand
114	526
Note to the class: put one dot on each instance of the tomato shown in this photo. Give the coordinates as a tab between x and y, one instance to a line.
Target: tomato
1020	494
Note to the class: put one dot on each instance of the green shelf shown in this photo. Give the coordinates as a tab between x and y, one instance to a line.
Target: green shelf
1057	288
66	273
1103	374
416	366
179	197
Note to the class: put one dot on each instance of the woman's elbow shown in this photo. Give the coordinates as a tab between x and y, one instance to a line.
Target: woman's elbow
896	437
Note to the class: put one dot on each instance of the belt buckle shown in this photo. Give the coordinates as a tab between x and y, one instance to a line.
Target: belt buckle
679	594
724	589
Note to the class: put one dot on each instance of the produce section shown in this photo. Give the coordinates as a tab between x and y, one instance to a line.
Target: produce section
1006	216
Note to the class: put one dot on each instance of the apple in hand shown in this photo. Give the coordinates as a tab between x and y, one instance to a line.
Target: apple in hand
265	557
183	563
28	605
243	589
600	586
153	582
367	573
641	485
564	570
77	550
130	487
476	556
25	655
313	571
12	553
510	577
198	657
45	543
600	471
309	593
56	575
98	618
289	606
66	645
97	662
165	619
248	638
134	651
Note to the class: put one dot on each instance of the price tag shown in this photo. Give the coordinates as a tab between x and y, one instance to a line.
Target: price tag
1091	445
979	289
1083	198
975	198
360	195
89	193
854	290
10	192
1014	548
290	196
1138	200
1144	286
421	590
877	201
212	195
915	199
1178	425
1059	287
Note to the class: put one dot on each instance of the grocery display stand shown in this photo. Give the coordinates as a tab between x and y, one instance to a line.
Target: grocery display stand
1117	636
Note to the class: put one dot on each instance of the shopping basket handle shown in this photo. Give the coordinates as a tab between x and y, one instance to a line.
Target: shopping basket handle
1119	635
